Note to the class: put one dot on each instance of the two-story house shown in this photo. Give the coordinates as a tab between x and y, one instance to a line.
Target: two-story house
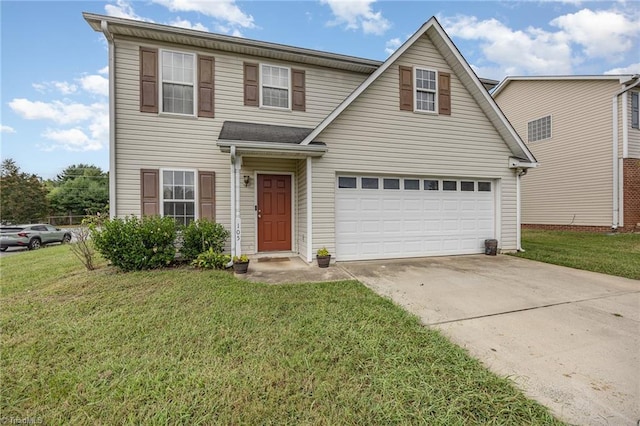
296	149
584	132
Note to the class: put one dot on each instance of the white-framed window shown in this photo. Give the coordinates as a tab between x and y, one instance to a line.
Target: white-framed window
275	87
179	195
347	182
539	129
178	76
425	87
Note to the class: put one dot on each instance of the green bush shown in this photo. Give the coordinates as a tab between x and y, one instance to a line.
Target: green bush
201	235
135	244
211	259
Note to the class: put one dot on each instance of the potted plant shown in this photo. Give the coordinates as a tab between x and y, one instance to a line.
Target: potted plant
324	257
240	264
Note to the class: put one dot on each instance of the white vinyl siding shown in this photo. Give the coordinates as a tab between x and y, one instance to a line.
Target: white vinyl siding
175	142
572	185
372	136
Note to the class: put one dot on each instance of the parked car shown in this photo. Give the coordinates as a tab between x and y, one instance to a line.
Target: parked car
31	236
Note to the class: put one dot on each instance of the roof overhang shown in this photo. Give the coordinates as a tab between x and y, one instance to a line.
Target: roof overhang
167	34
620	78
519	163
273	149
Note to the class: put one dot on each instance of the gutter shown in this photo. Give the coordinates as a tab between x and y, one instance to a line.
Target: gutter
272	147
615	219
112	119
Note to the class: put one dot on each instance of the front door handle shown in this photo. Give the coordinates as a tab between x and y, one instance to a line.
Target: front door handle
259	213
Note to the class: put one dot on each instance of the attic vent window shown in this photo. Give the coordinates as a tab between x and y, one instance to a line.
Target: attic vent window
539	129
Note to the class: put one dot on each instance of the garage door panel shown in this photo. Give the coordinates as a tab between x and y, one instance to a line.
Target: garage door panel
376	224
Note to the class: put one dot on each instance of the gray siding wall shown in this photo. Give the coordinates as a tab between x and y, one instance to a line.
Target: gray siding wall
373	136
145	140
573	183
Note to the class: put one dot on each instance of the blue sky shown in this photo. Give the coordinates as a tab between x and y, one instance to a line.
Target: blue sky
54	74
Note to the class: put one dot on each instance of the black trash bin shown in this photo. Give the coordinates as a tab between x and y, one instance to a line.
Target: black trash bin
491	247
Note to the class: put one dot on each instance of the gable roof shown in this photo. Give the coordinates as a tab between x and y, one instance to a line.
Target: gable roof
464	72
621	78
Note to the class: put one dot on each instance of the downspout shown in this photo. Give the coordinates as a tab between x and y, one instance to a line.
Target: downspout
233	200
238	225
519	174
309	209
112	119
615	148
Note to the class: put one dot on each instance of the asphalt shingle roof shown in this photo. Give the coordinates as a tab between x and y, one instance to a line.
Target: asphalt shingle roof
239	131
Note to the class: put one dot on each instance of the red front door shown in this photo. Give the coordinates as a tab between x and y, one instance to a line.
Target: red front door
274	212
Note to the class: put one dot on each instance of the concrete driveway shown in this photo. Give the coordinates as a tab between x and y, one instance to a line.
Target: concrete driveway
570	339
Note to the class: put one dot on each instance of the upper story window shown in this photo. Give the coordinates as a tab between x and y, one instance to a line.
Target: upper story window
539	129
275	86
178	77
425	87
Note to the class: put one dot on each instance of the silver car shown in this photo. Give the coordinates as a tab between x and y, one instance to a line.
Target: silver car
31	236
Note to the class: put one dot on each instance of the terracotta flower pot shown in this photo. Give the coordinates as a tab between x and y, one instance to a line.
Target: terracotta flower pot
323	261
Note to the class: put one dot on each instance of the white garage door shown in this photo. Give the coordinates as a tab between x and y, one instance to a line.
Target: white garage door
382	218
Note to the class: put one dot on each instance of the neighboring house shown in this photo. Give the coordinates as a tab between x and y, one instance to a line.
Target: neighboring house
584	132
296	149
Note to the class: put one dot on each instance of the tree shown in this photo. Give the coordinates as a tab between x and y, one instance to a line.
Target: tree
79	190
24	196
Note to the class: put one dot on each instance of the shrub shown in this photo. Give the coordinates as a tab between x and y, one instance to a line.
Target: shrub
240	259
82	248
211	259
201	235
323	252
135	244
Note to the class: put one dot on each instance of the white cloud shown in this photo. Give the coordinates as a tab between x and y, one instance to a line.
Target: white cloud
64	87
6	129
224	10
40	87
531	51
90	122
95	84
184	23
123	9
583	35
104	70
71	140
356	14
604	34
392	45
629	69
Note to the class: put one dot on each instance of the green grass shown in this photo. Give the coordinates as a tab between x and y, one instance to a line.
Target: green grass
185	346
617	254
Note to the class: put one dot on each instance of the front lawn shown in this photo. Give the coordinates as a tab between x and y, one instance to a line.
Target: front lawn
185	346
617	254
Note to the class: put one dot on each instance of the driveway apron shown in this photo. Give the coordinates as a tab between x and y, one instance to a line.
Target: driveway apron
569	338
